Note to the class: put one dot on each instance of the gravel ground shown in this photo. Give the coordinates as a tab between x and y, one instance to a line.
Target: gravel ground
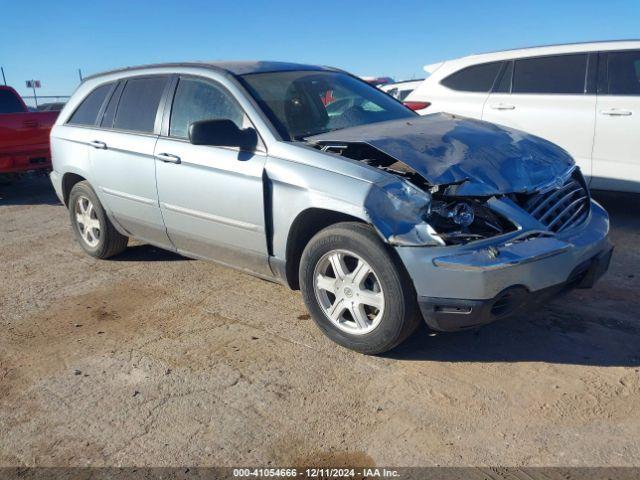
152	359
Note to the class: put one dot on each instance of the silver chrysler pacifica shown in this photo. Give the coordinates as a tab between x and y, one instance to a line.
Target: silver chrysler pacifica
311	177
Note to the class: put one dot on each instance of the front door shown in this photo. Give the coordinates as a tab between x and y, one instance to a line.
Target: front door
211	197
616	149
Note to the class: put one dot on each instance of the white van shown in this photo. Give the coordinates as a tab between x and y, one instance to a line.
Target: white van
584	97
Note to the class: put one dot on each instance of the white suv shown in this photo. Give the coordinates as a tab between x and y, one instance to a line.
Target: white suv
401	90
584	97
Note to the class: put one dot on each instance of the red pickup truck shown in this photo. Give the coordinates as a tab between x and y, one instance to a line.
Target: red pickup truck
24	135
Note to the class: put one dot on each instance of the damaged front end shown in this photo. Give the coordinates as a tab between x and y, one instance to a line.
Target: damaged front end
408	211
507	216
448	171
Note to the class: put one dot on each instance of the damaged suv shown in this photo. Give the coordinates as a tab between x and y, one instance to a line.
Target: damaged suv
311	177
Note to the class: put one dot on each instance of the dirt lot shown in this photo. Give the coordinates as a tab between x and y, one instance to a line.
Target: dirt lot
153	359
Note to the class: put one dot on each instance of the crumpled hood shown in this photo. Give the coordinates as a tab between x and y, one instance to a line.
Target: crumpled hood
480	157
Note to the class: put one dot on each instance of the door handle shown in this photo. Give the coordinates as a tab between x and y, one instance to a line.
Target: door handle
31	123
98	144
616	112
503	106
168	158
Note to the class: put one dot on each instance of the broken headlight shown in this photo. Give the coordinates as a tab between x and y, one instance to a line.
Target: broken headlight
460	213
398	211
462	221
404	194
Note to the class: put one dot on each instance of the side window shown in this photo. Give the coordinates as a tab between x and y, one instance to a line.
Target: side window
196	100
393	92
402	94
139	104
110	111
559	74
624	73
478	78
87	112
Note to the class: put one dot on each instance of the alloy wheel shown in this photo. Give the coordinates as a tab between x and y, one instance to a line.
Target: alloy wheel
87	221
349	292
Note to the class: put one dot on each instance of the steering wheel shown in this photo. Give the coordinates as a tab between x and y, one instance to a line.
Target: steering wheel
349	117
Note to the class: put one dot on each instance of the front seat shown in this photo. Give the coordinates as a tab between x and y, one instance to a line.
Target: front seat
304	112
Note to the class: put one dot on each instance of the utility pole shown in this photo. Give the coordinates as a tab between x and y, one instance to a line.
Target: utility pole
33	84
4	79
80	75
35	96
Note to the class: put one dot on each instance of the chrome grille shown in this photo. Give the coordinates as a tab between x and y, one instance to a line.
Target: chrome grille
561	208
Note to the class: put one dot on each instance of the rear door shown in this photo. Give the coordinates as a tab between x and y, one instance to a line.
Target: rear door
212	198
552	97
121	155
616	149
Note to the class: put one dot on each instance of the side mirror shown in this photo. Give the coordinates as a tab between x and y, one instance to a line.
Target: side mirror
222	133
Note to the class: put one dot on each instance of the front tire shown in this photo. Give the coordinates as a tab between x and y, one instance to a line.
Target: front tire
358	294
93	229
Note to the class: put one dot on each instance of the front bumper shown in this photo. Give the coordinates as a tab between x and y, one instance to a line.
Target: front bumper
450	314
466	286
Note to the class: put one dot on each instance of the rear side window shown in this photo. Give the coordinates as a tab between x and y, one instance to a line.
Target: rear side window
559	74
623	73
139	104
87	112
200	100
478	78
9	103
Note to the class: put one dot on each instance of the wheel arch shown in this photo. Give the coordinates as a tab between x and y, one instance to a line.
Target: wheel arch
307	224
69	179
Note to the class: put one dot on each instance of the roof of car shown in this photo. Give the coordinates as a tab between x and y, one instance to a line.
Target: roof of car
606	44
232	67
579	47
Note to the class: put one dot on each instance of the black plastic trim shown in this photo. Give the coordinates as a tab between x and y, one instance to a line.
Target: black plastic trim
591	79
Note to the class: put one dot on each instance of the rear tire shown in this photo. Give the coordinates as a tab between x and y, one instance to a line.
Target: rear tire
93	229
370	305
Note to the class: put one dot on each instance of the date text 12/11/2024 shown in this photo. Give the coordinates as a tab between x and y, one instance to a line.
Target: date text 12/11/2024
316	472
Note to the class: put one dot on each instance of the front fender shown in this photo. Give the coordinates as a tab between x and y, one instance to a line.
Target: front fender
291	188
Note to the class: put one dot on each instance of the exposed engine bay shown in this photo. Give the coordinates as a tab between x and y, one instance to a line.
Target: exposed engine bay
454	219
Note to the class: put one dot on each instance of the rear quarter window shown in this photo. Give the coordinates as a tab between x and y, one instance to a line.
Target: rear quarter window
477	78
87	111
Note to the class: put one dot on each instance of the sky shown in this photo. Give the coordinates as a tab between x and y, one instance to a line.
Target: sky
50	40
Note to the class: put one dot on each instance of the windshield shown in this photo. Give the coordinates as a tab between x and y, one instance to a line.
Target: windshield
305	103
